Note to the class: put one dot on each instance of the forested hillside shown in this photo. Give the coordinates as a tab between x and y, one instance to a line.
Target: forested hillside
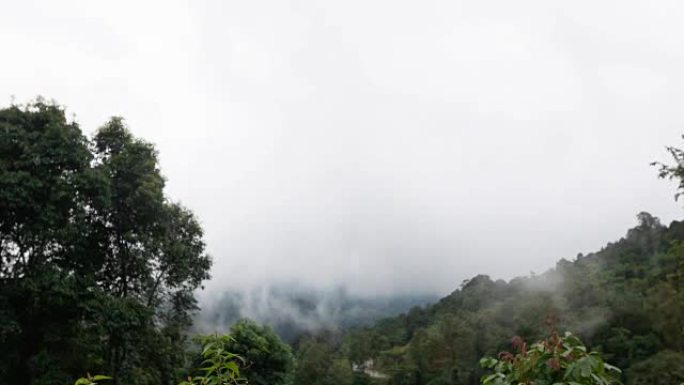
626	301
294	310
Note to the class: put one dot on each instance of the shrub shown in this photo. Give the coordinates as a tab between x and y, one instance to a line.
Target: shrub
218	366
554	361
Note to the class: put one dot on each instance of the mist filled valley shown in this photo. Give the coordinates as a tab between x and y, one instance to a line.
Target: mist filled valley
100	271
623	300
293	311
341	193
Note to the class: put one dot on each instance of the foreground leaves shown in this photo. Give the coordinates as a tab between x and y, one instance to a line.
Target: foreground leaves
91	380
554	361
218	366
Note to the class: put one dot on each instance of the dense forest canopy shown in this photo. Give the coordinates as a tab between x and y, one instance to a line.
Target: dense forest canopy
98	269
98	266
626	301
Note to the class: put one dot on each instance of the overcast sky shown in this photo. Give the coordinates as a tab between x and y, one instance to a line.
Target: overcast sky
390	146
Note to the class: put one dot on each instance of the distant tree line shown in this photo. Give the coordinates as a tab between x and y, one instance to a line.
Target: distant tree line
626	301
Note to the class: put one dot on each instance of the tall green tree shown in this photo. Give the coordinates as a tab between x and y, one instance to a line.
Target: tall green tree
44	164
97	265
152	251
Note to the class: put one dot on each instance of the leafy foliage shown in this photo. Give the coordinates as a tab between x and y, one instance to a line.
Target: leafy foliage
268	360
97	266
319	364
91	380
626	301
554	361
665	367
218	365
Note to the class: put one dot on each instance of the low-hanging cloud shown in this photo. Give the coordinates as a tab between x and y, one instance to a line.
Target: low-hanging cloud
293	310
387	147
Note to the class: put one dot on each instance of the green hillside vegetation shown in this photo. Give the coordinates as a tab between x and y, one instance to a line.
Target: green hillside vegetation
292	310
626	301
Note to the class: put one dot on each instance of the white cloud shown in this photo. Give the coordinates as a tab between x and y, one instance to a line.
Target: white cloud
386	145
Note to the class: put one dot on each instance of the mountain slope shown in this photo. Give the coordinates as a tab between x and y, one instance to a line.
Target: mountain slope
626	300
293	311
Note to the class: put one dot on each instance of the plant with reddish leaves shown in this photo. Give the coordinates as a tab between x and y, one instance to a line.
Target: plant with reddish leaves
554	361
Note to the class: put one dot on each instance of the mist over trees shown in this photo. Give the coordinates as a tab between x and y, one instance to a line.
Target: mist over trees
98	271
293	310
626	301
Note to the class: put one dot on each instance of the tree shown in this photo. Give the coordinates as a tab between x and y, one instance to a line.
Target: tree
444	350
44	163
152	252
268	360
97	266
673	171
664	368
318	364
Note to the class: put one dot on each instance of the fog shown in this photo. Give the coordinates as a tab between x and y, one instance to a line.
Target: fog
386	147
294	309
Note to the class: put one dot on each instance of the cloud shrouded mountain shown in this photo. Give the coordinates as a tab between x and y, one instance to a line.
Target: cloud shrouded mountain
293	310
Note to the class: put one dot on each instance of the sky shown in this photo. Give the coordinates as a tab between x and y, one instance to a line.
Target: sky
384	146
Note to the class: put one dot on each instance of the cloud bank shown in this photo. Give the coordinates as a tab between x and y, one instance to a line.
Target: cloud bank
387	147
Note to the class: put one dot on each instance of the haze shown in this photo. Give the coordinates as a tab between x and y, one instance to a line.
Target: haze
386	147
